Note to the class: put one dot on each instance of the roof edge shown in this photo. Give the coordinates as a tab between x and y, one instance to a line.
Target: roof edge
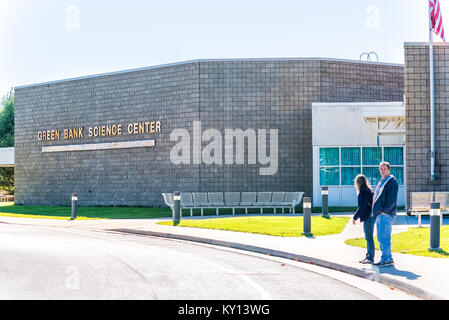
204	61
425	44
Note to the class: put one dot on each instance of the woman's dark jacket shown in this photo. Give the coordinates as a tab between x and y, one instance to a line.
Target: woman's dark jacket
365	200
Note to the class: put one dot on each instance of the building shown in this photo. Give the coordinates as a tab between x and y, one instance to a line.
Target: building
122	138
353	138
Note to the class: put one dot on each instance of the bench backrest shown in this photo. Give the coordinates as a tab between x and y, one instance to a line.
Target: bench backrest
186	199
278	197
232	198
215	197
443	199
289	197
299	196
420	201
249	197
263	197
168	198
200	198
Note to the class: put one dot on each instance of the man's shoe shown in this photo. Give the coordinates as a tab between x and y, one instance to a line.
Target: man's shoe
366	261
384	263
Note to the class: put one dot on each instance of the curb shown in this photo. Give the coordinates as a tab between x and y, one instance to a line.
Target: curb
411	289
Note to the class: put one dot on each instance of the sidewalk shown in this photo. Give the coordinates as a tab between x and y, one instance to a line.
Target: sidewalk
424	277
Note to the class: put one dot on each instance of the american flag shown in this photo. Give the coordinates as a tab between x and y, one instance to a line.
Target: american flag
436	19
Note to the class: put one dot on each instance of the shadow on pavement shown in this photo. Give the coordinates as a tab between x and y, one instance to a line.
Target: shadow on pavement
396	272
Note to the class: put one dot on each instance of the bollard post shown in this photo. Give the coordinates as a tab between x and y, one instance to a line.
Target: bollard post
307	216
176	207
74	206
435	213
325	201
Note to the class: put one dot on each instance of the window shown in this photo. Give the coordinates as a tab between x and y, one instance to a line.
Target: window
329	176
348	174
340	165
350	156
395	156
398	173
329	156
372	174
372	156
329	170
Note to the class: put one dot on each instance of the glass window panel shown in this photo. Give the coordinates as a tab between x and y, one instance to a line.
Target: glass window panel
329	156
329	176
350	156
394	155
372	156
373	175
348	175
398	173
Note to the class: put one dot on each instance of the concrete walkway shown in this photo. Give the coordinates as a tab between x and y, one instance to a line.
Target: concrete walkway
427	278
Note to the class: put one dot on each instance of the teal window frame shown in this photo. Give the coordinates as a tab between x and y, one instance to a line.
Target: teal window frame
346	162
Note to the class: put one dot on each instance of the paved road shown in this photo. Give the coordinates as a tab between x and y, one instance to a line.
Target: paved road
51	263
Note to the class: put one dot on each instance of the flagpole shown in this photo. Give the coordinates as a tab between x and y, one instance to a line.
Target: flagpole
432	104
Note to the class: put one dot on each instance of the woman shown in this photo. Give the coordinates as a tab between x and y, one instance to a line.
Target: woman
365	201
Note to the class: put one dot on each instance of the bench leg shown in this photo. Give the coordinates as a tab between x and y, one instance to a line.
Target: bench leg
233	210
419	220
216	210
202	212
191	212
246	210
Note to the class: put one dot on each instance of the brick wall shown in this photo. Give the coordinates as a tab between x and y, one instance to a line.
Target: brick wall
418	117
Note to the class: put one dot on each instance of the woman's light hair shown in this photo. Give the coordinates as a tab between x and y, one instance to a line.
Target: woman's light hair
360	181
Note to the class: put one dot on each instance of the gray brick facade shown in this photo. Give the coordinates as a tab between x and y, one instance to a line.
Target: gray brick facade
222	94
418	117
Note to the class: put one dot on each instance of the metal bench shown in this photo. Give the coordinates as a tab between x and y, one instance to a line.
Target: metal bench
263	200
187	202
420	203
248	199
239	200
291	200
216	200
277	200
168	198
232	200
200	201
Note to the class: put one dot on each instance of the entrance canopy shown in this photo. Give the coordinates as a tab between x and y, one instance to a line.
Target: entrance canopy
386	122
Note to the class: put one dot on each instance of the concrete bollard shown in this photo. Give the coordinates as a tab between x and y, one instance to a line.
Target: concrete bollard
176	207
435	214
325	201
307	216
74	206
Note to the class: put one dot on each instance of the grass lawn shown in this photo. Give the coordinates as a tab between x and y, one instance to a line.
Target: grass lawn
49	212
276	226
415	241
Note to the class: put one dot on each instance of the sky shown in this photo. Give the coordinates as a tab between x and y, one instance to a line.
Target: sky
46	40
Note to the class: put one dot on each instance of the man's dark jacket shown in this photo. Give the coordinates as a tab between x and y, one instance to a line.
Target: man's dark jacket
365	200
386	201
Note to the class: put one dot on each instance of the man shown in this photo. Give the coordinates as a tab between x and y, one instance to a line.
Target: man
384	211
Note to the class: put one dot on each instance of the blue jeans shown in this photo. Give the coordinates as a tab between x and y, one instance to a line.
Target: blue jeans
368	228
383	224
